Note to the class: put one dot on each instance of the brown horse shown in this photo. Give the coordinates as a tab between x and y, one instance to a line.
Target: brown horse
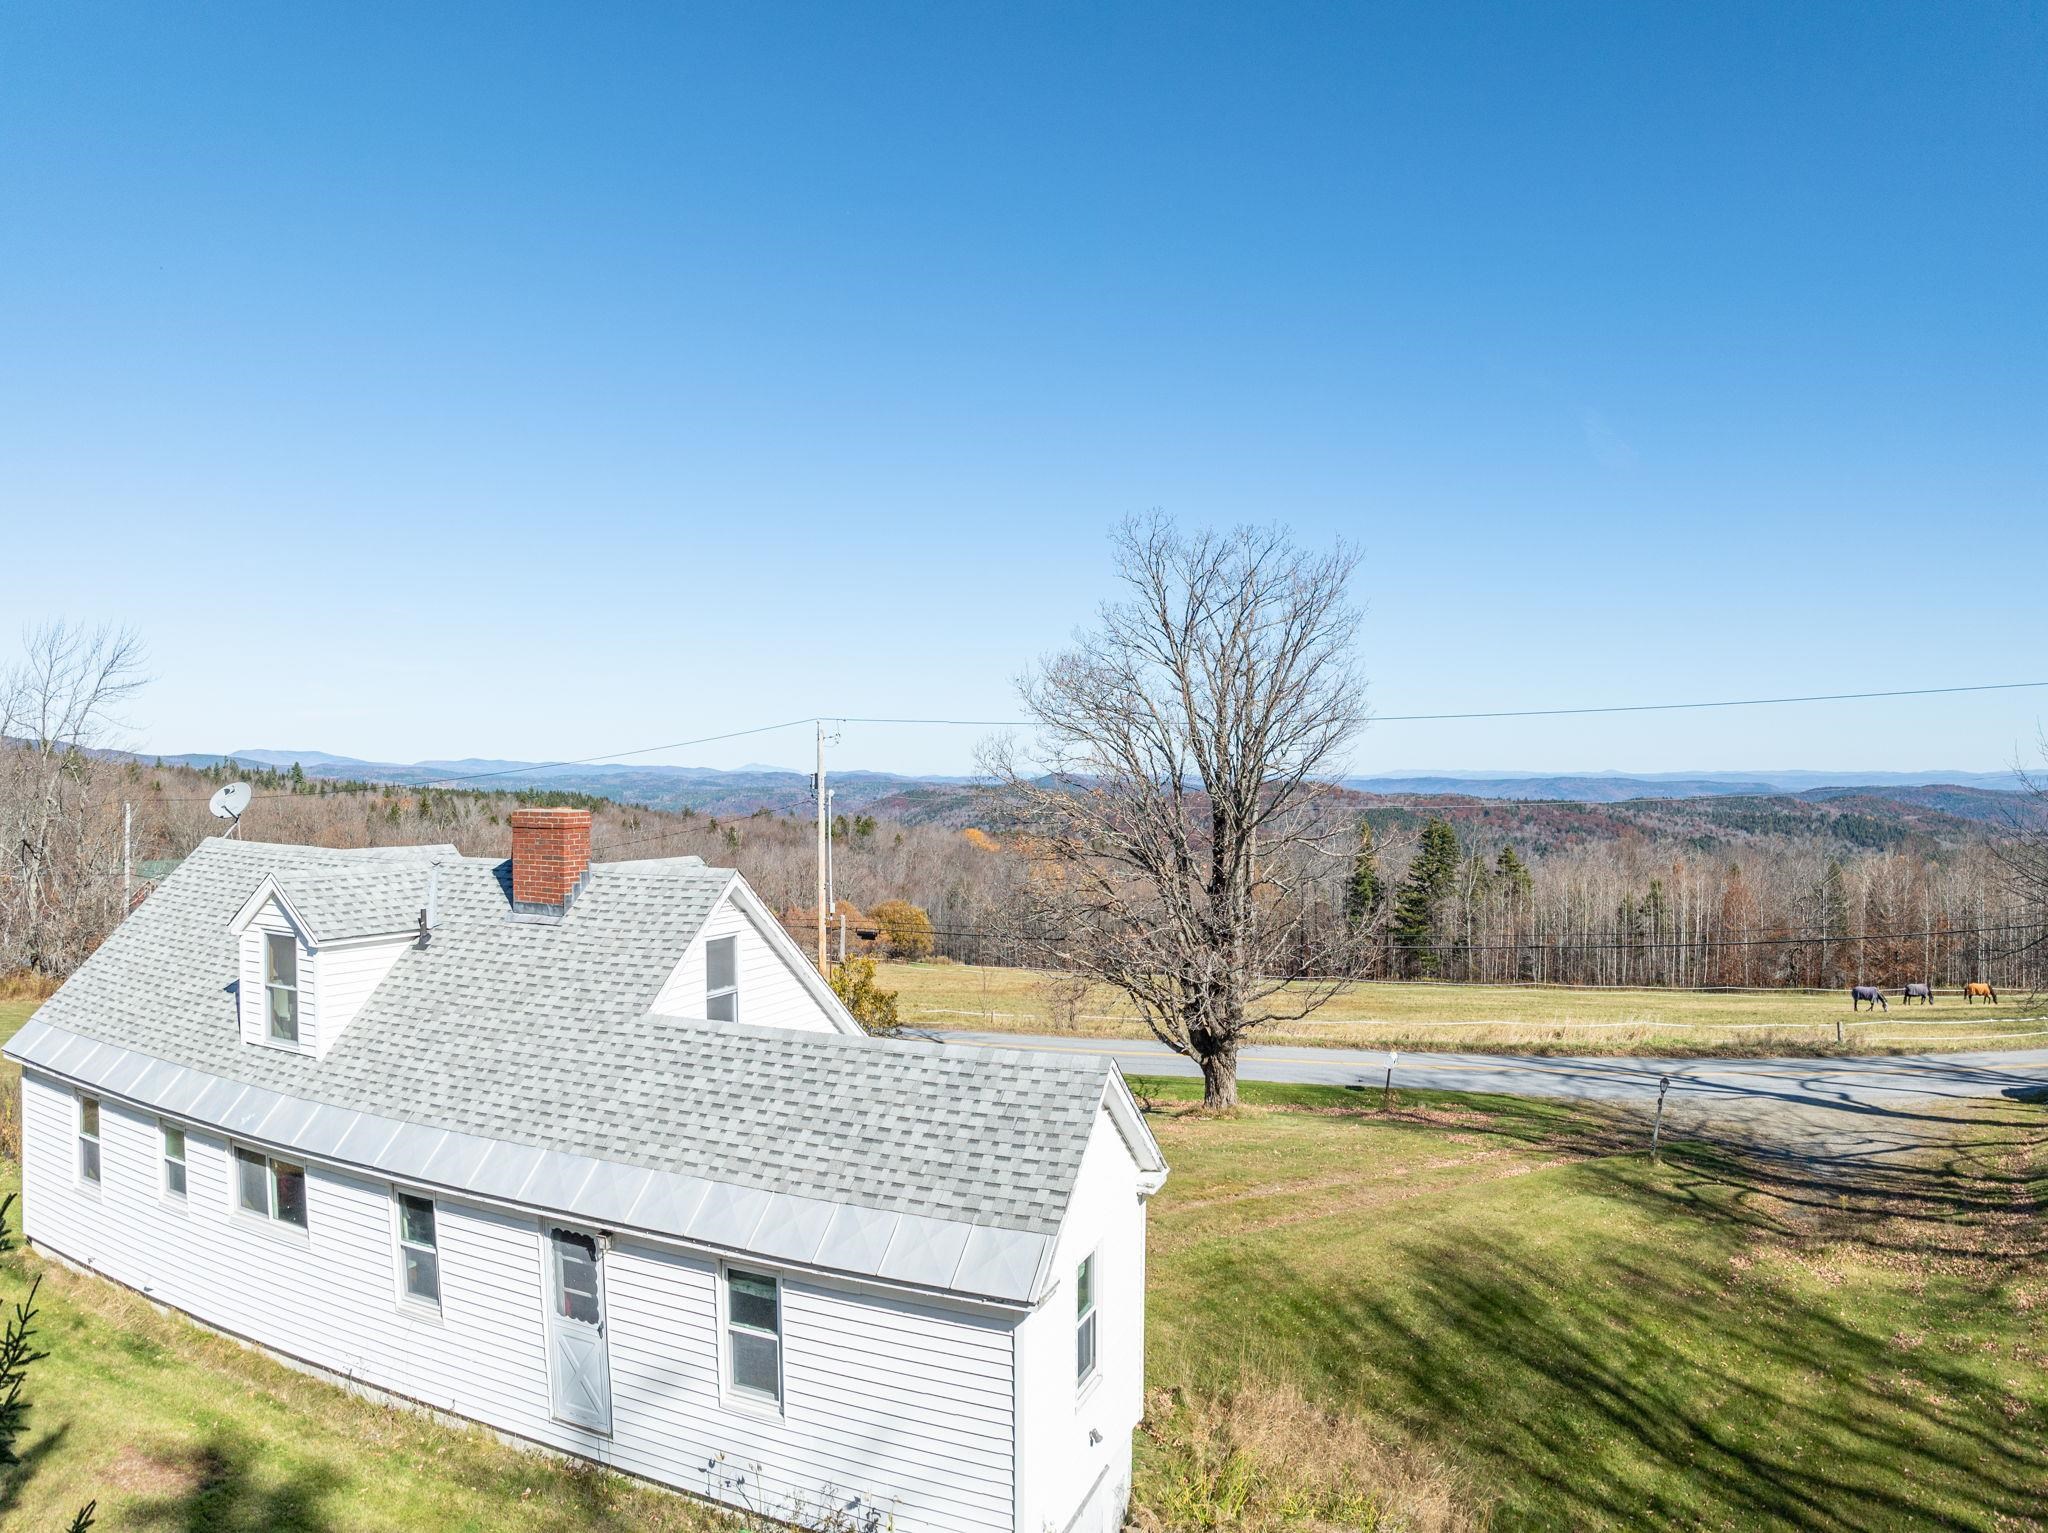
1973	992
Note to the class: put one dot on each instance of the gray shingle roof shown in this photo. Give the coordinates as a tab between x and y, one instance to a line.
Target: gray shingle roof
539	1035
340	902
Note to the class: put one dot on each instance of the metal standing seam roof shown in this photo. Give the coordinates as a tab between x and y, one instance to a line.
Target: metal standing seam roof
519	1062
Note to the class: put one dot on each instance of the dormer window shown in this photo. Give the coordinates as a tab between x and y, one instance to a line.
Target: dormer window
722	979
281	985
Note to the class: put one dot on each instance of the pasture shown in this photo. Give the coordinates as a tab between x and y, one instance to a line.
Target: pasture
1499	1018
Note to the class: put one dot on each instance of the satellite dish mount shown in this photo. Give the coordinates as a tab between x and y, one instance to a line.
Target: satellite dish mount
229	803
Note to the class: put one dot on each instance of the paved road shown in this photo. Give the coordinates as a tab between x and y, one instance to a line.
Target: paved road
1856	1109
1867	1082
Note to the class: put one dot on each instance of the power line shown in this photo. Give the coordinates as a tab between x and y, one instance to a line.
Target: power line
1739	702
1552	713
531	768
518	771
1608	941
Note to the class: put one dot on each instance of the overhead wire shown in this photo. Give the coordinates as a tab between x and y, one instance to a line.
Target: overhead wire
526	769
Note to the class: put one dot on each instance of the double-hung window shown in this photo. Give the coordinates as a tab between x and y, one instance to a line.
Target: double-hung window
281	985
89	1139
174	1161
1084	1321
419	1254
722	979
753	1337
270	1189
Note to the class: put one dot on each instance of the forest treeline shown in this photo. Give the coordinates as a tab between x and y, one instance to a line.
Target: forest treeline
1784	911
1445	901
1436	903
50	922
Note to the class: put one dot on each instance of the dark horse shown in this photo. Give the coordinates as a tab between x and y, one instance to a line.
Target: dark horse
1860	993
1917	993
1974	991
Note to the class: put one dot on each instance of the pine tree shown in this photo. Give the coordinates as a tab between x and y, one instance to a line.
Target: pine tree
1656	912
1432	879
1513	874
1365	892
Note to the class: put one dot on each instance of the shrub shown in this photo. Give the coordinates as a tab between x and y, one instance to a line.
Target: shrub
873	1007
905	928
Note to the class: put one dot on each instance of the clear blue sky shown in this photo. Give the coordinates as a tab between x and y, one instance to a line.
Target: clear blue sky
544	380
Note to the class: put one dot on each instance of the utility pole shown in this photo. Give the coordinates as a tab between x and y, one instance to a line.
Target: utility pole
127	858
824	852
831	825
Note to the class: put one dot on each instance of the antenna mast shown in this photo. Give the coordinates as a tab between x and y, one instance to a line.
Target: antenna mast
818	782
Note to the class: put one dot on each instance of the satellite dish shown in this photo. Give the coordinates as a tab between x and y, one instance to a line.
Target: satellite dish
229	803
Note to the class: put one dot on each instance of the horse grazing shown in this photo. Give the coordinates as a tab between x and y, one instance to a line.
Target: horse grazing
1972	992
1861	993
1917	993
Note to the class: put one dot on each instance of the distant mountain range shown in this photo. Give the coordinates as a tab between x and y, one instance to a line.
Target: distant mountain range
746	789
1618	787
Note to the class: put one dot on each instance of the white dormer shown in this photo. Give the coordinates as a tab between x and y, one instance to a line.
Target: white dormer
742	967
299	986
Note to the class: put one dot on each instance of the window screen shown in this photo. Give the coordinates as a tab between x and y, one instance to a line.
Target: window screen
576	1274
174	1161
1084	1321
89	1138
753	1314
419	1254
281	985
722	979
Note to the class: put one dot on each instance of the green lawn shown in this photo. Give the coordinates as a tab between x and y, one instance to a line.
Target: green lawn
1472	1311
1525	1019
1500	1307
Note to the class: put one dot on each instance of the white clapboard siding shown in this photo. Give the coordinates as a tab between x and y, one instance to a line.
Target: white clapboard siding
906	1403
334	981
328	1297
771	993
1059	1466
347	976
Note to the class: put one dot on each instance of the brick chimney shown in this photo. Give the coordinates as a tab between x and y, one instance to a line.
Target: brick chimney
550	858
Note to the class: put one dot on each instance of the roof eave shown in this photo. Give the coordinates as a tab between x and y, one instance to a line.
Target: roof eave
977	1264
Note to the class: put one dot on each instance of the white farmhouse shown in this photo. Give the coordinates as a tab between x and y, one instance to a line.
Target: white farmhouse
590	1155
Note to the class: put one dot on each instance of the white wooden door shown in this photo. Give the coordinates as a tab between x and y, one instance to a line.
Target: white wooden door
579	1366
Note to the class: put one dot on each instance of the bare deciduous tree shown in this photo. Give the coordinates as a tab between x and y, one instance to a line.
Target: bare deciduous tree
2022	855
60	865
1171	805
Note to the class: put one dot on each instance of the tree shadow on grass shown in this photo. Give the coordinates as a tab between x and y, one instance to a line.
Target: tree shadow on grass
17	1475
1674	1382
222	1493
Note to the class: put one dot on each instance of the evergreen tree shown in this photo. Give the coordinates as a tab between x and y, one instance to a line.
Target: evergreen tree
1365	892
1656	912
1432	879
1513	874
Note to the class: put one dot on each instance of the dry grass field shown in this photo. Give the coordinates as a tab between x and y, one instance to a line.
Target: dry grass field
1498	1018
